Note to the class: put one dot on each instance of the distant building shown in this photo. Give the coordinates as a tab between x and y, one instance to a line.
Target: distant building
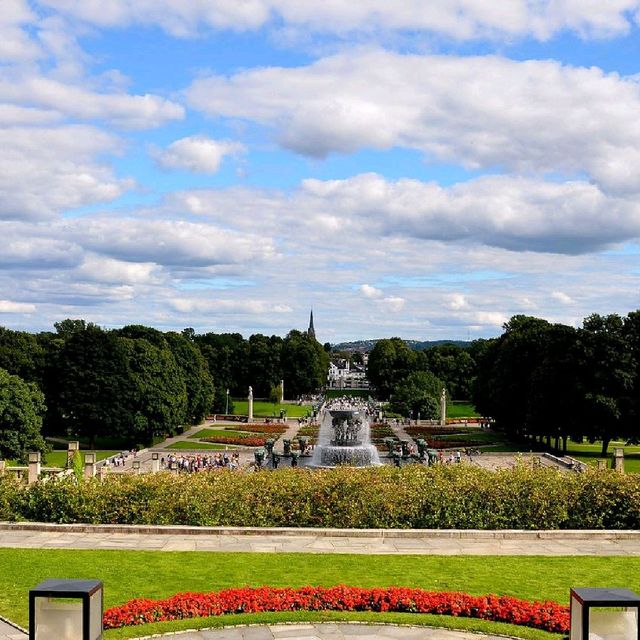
344	375
311	332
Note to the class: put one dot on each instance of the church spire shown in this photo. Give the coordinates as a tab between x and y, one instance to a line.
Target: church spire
311	332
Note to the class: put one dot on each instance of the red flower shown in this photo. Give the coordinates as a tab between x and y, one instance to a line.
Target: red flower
549	616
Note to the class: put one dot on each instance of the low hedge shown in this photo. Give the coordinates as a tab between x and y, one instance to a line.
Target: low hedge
443	496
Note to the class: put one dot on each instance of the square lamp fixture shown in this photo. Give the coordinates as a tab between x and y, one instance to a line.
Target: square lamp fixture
604	614
66	610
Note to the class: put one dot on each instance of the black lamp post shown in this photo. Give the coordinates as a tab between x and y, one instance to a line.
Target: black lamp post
590	619
80	618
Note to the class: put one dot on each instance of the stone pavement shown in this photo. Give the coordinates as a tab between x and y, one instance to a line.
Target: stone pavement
374	541
318	631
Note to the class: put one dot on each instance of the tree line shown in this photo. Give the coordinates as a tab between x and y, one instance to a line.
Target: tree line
137	383
538	380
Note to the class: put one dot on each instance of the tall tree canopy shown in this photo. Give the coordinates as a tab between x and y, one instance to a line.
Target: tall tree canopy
21	411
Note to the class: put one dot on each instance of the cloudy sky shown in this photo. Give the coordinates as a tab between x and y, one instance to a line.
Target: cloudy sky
404	167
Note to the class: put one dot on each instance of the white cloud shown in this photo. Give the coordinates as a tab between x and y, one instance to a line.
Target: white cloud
44	171
481	112
459	19
198	154
8	306
101	269
561	297
370	292
456	301
393	303
15	43
77	101
520	214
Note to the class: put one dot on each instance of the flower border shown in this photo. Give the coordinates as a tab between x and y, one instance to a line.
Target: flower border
548	616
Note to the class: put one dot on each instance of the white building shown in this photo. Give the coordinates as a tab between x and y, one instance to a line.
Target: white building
343	375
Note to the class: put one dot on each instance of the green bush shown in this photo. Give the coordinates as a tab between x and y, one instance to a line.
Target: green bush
457	496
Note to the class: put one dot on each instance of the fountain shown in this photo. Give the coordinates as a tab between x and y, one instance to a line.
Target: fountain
344	438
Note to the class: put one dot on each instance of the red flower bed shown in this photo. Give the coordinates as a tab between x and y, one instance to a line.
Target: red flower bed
548	616
247	441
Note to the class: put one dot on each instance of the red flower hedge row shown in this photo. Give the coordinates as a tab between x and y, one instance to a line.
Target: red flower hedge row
548	616
247	441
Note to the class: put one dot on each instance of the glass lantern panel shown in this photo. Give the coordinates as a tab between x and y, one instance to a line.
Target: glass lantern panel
611	624
576	620
95	615
59	618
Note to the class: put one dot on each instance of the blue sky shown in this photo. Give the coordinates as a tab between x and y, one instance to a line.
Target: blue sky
405	168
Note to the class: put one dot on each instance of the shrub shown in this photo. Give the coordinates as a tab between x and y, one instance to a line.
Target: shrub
443	496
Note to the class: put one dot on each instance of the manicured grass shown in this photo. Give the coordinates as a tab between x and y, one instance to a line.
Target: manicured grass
208	433
590	453
148	574
59	458
197	446
269	410
457	409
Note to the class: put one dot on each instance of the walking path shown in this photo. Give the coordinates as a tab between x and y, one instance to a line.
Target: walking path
379	542
318	631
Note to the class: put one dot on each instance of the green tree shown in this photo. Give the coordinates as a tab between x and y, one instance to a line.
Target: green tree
93	385
453	365
198	380
418	393
264	368
22	355
505	372
156	401
390	361
304	364
21	410
607	379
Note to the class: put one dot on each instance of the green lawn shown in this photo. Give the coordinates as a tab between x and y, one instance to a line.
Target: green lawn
457	409
148	574
262	408
59	458
207	433
590	453
197	446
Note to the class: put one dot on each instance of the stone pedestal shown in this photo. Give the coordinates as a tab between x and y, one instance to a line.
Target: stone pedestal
104	472
72	447
89	465
34	466
136	467
155	463
618	459
602	465
2	467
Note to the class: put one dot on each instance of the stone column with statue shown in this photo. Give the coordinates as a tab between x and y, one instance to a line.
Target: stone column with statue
250	410
443	407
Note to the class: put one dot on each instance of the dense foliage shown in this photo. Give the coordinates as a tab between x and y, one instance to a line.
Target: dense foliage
549	616
543	380
443	496
136	383
21	411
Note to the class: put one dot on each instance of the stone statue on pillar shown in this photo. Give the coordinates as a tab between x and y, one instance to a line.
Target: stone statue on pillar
443	407
250	410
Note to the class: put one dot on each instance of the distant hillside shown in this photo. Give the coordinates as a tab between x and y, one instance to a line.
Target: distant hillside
416	345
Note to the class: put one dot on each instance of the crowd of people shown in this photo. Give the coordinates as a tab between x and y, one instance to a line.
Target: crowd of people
200	462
